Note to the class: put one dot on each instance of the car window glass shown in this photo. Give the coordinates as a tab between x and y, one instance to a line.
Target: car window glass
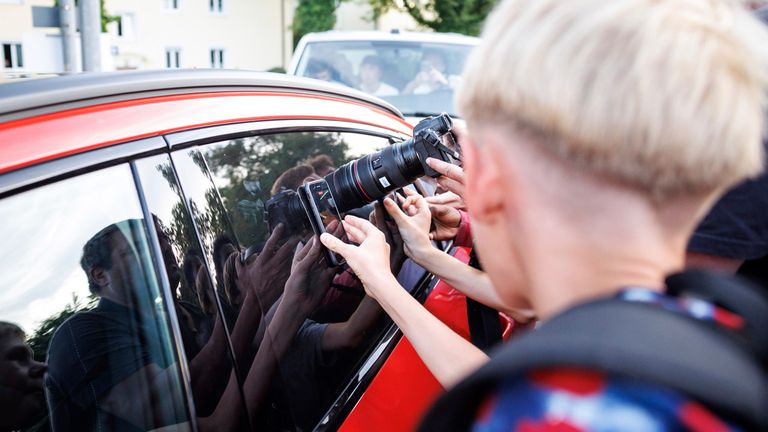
332	323
205	342
418	78
230	295
80	298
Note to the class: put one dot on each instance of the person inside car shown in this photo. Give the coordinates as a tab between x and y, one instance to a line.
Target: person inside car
370	78
432	76
22	403
584	172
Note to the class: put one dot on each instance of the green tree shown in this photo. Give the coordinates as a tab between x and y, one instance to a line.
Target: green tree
41	337
457	16
313	16
106	18
246	169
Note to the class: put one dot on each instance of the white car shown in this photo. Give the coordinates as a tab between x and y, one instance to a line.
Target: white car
416	72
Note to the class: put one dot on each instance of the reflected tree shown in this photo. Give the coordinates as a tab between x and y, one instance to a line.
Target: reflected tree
41	337
246	168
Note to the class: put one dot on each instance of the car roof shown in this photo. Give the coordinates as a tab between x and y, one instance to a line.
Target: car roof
34	97
448	38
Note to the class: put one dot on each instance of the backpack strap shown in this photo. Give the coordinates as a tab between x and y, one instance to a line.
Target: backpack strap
629	339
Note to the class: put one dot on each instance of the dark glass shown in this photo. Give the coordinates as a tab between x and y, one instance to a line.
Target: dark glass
82	313
332	324
206	345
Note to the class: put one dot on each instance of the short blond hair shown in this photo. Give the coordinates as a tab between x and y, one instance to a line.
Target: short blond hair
663	95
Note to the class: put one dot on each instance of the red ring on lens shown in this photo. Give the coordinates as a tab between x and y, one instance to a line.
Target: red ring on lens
359	183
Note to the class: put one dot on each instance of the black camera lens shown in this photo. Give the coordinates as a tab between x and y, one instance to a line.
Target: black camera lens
375	175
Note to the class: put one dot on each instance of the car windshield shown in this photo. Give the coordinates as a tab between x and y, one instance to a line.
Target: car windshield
418	78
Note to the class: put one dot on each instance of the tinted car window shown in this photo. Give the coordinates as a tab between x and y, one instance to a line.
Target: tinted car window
206	344
333	323
80	297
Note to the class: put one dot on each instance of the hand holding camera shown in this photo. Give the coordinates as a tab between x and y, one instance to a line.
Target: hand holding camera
265	275
310	276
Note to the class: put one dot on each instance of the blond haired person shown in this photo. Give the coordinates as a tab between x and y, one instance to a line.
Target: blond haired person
600	131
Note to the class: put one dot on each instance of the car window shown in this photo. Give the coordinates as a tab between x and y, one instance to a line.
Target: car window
333	325
80	298
206	344
418	78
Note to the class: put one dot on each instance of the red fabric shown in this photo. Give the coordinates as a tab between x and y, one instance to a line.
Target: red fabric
464	236
697	418
578	381
547	426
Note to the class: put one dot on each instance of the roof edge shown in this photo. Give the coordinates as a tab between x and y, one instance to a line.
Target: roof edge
15	98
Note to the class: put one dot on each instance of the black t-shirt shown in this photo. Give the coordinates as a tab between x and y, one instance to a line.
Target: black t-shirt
737	226
91	353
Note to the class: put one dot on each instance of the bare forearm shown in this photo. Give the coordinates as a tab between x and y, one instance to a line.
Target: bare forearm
350	334
447	355
472	282
278	337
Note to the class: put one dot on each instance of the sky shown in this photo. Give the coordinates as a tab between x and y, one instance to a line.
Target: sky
42	234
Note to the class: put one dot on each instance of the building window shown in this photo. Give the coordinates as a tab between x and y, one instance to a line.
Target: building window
123	27
171	4
217	58
173	58
216	6
11	56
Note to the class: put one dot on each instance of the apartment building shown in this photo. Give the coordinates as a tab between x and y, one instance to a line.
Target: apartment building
155	34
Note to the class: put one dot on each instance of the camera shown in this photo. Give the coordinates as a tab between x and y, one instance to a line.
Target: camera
373	176
285	208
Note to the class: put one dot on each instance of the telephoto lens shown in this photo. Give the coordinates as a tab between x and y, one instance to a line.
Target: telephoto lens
373	176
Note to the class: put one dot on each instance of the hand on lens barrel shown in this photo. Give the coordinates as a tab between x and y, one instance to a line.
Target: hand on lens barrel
369	260
310	277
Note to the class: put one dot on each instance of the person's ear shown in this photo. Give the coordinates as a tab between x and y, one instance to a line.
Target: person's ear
99	276
486	187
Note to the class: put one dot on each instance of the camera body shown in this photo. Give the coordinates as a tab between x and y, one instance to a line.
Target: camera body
285	208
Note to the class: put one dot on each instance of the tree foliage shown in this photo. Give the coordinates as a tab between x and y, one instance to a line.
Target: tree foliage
448	16
313	16
246	169
106	18
41	337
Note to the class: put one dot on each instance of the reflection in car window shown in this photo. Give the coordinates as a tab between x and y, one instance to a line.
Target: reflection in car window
418	78
202	331
332	322
79	292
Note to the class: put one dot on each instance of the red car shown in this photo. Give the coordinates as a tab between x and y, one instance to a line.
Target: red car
137	257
